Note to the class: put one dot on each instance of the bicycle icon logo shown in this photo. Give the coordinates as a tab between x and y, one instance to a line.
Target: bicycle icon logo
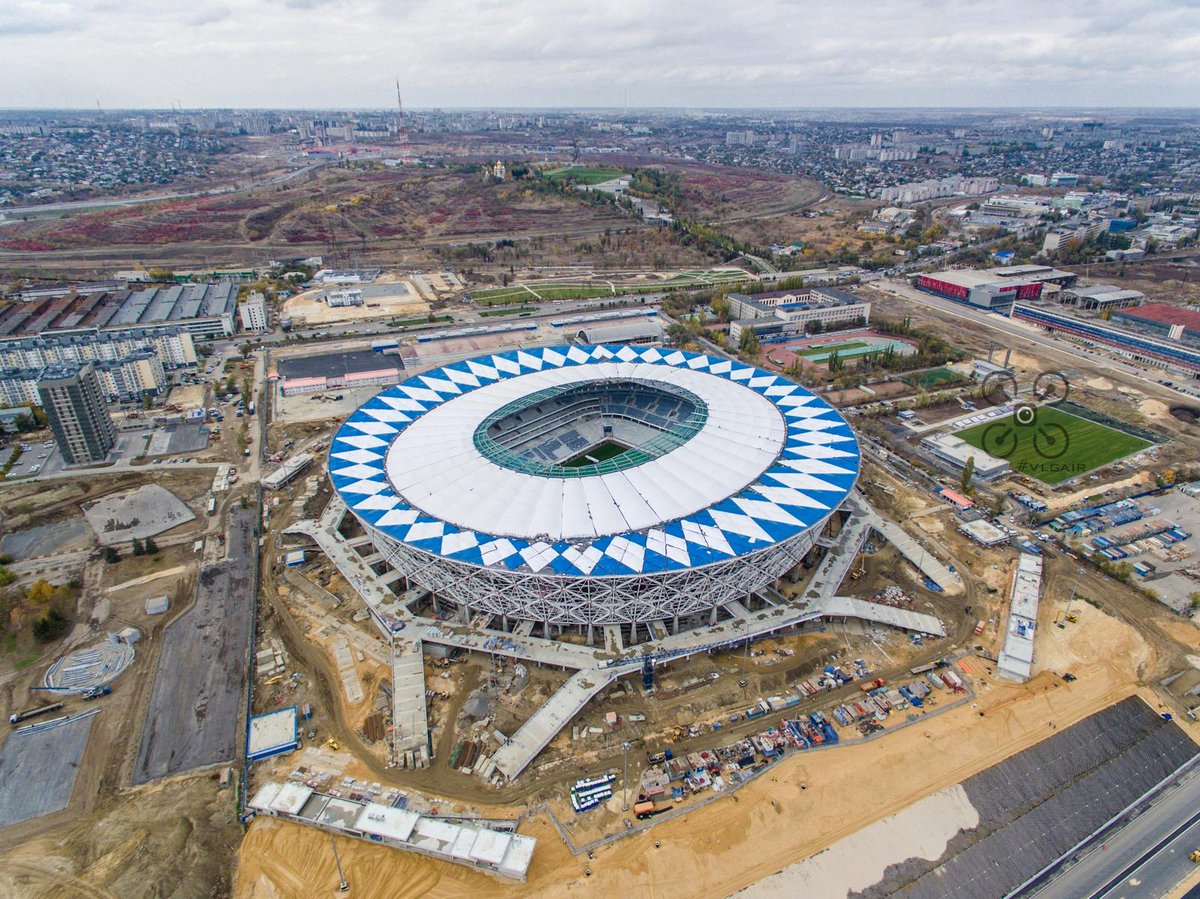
1048	440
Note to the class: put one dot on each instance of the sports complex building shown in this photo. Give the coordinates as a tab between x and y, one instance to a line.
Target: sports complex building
592	485
997	289
1171	352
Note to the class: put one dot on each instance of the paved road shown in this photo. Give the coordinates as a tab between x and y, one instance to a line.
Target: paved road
1146	858
1023	332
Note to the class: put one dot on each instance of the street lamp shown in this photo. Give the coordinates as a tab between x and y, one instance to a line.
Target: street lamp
343	883
625	744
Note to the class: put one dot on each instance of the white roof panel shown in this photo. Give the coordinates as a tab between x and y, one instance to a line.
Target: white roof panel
760	460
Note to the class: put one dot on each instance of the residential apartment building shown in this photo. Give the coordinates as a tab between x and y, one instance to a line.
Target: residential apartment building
253	312
78	417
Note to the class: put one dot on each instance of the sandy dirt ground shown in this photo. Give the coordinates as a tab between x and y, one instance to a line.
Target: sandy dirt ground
922	830
771	823
172	839
312	308
187	396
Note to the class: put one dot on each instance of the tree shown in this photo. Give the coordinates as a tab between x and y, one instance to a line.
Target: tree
6	576
111	555
748	343
39	593
138	548
50	626
150	546
968	472
678	333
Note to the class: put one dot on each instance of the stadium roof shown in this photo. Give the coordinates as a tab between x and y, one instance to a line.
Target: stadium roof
1164	314
767	462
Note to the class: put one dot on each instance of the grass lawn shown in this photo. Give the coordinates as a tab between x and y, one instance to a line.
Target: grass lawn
584	174
1038	449
573	292
601	452
498	296
407	322
932	377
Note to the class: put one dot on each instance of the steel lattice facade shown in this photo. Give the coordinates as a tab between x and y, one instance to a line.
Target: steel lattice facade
416	481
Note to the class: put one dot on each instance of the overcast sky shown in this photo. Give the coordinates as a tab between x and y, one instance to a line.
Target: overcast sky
751	53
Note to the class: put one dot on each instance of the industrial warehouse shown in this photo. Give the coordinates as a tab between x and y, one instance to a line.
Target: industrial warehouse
329	371
204	310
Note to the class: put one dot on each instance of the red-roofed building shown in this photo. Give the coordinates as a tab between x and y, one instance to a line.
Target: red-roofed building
956	498
1172	322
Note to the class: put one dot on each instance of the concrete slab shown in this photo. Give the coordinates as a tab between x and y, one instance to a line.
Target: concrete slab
408	698
522	747
145	512
195	709
38	768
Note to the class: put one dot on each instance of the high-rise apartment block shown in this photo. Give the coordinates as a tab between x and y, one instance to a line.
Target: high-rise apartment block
74	405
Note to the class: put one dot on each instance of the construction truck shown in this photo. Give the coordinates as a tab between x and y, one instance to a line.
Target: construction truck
34	713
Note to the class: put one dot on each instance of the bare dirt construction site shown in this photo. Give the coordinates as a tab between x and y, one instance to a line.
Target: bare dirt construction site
397	299
99	837
798	807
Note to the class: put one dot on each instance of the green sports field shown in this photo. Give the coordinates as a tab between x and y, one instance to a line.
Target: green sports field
602	452
584	174
1057	447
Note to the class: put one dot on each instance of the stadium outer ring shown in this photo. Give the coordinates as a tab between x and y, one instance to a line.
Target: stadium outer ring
759	533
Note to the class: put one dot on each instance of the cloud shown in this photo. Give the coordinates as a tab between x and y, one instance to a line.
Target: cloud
541	53
25	17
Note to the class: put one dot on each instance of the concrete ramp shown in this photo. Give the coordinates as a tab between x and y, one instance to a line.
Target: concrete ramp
410	723
925	561
840	554
523	747
852	607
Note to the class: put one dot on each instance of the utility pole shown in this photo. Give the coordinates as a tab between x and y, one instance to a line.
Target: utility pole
625	777
745	655
1074	586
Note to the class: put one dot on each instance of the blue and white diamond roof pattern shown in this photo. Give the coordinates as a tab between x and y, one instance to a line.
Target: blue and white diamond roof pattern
772	461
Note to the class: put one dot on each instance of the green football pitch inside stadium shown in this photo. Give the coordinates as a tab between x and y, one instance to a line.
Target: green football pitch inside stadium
600	453
1057	447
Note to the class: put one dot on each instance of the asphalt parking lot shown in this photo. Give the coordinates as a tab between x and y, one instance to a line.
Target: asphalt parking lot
194	716
46	459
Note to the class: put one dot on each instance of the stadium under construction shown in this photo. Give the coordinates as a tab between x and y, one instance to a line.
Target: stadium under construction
643	502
